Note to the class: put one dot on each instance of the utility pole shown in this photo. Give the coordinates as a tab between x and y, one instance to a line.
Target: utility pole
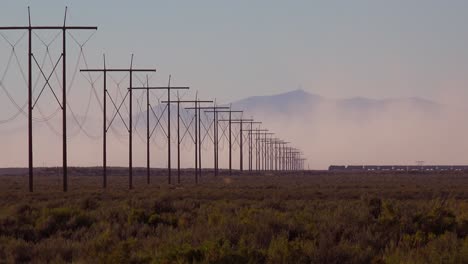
106	126
258	149
285	167
230	134
268	153
297	160
148	88
168	88
281	155
273	153
178	102
241	135
251	142
250	158
63	105
213	109
265	150
198	147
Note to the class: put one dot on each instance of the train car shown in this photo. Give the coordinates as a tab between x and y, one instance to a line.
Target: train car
355	168
460	168
400	168
336	168
444	168
371	168
429	168
414	168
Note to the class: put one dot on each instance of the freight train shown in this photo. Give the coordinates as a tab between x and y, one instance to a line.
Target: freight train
398	168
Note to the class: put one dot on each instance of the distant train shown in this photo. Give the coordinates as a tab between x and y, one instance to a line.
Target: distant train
398	168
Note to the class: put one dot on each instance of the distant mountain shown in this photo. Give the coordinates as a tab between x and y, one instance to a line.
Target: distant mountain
300	102
280	102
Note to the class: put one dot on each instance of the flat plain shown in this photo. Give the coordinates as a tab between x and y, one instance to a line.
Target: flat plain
294	217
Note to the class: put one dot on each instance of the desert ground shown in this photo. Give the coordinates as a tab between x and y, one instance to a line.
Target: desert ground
268	217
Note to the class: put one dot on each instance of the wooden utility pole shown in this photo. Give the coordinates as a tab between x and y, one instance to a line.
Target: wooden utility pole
198	163
230	133
168	89
106	126
241	122
64	28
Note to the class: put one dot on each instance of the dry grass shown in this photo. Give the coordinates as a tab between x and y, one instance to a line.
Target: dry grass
315	217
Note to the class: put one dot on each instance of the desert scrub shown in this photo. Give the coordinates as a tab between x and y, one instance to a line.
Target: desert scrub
332	218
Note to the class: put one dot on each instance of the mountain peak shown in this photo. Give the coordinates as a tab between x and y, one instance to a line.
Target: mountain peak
282	101
300	99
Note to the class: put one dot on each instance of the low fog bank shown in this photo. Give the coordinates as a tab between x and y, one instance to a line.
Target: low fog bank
396	132
343	132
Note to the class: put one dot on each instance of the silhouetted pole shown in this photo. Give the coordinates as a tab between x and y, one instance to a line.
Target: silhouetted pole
64	104
130	70
276	154
64	29
250	147
169	157
214	109
258	148
104	127
230	144
241	146
230	134
168	88
197	139
200	144
30	139
273	153
268	154
178	138
250	142
241	149
148	158
178	129
290	159
130	129
215	145
257	152
265	151
281	155
285	168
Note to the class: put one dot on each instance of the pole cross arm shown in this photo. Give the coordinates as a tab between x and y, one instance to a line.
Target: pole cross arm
257	129
160	88
227	111
118	70
262	133
187	101
200	101
49	28
238	120
213	107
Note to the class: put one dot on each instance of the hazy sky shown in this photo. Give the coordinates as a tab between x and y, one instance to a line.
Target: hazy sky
235	49
230	50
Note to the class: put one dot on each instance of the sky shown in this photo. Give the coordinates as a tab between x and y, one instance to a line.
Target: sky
229	50
235	49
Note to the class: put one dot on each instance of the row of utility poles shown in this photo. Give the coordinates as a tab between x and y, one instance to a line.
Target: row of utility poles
271	154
